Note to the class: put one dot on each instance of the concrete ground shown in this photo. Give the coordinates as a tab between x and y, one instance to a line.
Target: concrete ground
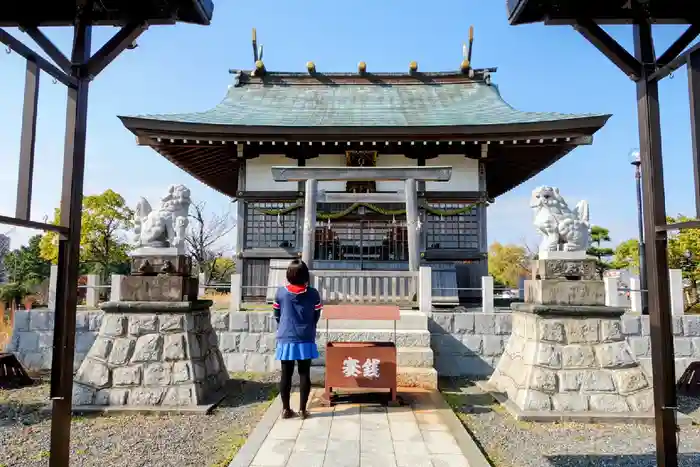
425	433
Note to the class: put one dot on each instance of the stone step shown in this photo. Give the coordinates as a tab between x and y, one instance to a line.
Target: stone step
416	357
403	338
425	378
411	320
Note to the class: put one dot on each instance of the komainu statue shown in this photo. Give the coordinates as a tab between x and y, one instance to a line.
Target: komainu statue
166	226
563	229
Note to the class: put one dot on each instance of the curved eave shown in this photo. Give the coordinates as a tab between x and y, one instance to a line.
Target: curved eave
209	152
167	129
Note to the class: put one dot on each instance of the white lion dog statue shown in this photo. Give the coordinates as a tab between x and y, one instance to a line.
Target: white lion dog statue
563	229
166	226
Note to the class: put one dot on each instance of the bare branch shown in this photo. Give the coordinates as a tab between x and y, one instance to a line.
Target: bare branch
204	236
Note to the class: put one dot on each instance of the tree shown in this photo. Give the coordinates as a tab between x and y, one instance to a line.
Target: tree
507	263
25	264
203	242
627	255
103	250
599	235
684	249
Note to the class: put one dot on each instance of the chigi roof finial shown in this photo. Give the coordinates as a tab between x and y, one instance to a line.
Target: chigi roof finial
258	56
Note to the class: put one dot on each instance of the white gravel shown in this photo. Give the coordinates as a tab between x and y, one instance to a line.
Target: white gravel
510	443
134	440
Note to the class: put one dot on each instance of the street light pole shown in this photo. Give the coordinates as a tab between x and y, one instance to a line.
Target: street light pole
636	162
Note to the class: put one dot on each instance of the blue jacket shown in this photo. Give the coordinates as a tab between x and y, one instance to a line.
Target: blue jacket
297	311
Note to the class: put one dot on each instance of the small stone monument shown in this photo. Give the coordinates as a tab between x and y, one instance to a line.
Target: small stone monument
156	348
567	358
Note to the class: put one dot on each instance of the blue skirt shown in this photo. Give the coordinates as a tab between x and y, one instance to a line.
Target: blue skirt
296	351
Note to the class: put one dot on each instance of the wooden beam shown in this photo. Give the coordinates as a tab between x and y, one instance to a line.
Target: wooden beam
375	198
27	142
295	174
679	45
47	46
694	92
44	65
675	64
114	46
609	47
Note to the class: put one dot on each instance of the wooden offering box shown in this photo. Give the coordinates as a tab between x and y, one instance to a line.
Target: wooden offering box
353	365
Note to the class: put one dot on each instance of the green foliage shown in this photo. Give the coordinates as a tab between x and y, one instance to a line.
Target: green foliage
13	293
598	236
507	263
25	264
102	249
220	269
627	255
687	240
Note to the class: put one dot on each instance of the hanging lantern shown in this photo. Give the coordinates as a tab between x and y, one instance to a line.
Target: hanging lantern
393	219
279	220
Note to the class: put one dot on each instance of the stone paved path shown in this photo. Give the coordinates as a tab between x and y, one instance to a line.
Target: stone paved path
362	436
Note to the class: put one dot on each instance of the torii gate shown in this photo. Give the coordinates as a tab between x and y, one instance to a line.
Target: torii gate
409	175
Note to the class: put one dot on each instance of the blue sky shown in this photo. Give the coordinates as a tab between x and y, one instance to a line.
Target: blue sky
185	68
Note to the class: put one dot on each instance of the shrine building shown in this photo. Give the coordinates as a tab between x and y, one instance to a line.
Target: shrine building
365	119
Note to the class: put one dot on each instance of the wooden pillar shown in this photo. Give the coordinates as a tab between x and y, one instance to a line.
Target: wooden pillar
307	254
694	88
237	294
412	225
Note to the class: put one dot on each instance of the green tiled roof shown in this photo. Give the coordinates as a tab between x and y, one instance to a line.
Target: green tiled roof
365	104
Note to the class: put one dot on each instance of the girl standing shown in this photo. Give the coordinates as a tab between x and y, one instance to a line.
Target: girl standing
297	309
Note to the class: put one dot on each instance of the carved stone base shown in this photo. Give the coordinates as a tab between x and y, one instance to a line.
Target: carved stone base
577	269
562	361
565	292
163	288
152	356
180	265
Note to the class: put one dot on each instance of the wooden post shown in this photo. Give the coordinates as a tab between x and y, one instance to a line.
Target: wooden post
425	289
610	291
202	283
307	254
487	294
115	290
635	295
412	225
92	291
675	280
236	292
53	280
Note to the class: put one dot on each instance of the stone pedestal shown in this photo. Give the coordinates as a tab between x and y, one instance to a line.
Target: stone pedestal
152	354
156	349
570	361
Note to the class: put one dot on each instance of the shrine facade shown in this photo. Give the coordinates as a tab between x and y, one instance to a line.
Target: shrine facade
363	120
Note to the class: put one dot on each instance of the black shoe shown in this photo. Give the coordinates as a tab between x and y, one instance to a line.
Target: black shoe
288	413
304	414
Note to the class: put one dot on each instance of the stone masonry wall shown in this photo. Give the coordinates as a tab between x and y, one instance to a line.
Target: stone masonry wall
464	344
470	344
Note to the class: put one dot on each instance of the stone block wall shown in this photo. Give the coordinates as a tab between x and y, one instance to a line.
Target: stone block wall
464	344
470	344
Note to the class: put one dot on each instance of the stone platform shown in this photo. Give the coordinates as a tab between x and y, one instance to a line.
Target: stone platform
571	363
152	356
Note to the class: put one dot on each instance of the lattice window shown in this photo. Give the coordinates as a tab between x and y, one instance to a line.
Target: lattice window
265	230
361	235
460	231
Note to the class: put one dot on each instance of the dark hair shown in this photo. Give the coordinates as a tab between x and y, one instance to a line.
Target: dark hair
298	273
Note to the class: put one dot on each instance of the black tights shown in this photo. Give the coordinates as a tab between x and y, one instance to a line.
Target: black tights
304	368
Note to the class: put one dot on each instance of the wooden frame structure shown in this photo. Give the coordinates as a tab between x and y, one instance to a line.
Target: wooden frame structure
409	175
646	69
75	72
